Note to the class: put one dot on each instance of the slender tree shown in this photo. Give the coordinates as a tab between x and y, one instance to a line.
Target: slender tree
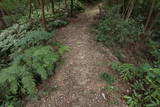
130	8
71	6
65	3
149	15
2	24
53	10
43	14
154	21
30	9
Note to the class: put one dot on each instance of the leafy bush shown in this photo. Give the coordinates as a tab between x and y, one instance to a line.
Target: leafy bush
155	51
57	24
18	38
28	69
110	88
146	84
108	78
8	38
119	27
24	62
128	71
11	35
78	6
114	29
33	38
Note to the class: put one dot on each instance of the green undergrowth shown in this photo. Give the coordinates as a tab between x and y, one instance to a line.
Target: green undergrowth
27	56
108	78
26	60
19	37
145	81
110	88
114	30
26	71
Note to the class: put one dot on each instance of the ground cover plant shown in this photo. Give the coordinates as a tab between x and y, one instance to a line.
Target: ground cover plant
26	56
125	23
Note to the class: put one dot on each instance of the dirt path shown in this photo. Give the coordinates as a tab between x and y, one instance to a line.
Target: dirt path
79	75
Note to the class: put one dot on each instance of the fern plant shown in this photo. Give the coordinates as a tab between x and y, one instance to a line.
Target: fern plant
155	51
57	23
17	38
134	100
108	78
30	67
146	84
33	38
127	71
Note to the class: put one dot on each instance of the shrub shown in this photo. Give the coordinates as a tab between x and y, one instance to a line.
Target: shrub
155	51
17	38
28	69
110	88
78	6
114	29
108	78
33	38
8	38
57	24
146	84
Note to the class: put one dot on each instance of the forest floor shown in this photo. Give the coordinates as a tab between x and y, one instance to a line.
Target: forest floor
78	75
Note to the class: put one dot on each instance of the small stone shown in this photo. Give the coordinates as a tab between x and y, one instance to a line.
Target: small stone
103	95
49	105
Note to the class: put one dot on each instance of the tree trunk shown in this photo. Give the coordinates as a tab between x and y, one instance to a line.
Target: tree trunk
123	9
53	10
72	6
130	9
154	21
3	24
59	4
149	16
43	15
30	9
65	3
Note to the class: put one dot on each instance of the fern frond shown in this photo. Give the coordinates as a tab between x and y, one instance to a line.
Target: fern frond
29	83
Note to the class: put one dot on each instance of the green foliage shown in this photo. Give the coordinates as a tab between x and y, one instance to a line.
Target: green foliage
13	5
32	38
48	90
146	83
134	100
17	38
78	6
114	29
28	69
108	78
121	24
14	10
128	71
155	51
118	54
57	23
11	35
110	88
8	38
25	62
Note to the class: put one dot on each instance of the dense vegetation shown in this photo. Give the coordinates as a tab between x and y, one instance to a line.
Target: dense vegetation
128	23
27	57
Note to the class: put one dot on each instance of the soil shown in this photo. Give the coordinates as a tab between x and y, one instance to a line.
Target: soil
78	76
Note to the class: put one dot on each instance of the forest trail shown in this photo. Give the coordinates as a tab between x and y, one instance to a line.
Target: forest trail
78	77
